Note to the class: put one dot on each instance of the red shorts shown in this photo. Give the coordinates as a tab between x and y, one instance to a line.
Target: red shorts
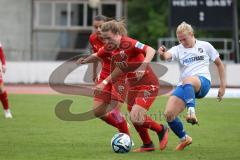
112	91
105	94
143	96
144	91
119	90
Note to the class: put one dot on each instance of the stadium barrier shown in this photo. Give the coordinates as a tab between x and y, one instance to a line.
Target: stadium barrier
39	72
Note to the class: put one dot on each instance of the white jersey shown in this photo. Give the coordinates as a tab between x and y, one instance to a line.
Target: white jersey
194	61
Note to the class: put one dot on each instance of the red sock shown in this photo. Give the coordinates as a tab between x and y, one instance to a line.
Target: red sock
122	127
117	115
4	100
109	119
120	120
143	133
149	123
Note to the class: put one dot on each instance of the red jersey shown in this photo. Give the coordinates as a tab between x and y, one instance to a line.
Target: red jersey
3	61
2	57
131	52
97	44
141	91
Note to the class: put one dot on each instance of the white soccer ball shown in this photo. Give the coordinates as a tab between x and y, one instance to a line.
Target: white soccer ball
121	143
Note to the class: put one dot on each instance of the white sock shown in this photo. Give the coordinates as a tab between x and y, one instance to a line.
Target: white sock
191	110
183	138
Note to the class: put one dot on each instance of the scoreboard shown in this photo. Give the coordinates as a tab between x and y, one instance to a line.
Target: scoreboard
204	14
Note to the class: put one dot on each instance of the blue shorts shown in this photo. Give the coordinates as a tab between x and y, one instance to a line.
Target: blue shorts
205	87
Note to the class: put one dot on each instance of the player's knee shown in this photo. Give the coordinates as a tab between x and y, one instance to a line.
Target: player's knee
136	118
133	118
169	116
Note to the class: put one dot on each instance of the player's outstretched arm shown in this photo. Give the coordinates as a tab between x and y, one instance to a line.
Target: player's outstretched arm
115	73
164	55
94	76
150	52
221	72
89	59
140	71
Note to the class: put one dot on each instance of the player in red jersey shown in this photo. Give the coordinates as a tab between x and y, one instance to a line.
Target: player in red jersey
3	92
96	42
130	57
103	99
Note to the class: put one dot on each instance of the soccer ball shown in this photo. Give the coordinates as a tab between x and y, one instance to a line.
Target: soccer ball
121	143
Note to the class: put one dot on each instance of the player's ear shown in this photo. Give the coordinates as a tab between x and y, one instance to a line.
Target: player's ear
191	34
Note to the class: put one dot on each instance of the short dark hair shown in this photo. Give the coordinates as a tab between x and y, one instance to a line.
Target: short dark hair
100	18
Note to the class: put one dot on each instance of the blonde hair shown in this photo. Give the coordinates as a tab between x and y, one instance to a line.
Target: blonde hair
184	28
116	27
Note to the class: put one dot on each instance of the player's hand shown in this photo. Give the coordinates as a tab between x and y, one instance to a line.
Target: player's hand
141	70
4	68
221	93
139	74
162	50
121	65
94	78
100	86
80	61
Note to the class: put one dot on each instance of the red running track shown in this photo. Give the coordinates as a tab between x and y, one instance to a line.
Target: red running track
29	89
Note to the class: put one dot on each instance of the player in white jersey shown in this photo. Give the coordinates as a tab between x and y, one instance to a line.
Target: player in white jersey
194	57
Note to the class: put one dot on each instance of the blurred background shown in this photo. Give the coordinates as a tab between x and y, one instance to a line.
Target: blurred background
39	35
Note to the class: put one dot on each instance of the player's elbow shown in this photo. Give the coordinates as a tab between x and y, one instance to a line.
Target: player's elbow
151	51
218	62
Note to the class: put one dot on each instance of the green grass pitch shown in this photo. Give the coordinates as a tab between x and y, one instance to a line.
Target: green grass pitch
35	133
